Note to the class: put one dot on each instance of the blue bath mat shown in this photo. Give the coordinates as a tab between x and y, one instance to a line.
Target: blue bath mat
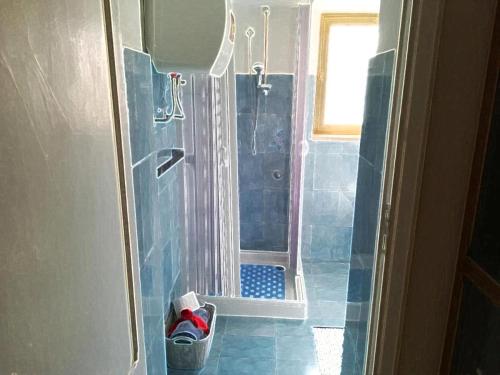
260	281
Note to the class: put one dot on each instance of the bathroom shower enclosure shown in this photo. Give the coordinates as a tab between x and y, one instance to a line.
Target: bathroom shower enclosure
243	136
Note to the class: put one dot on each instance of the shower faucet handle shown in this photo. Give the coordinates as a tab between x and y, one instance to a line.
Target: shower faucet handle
266	88
176	83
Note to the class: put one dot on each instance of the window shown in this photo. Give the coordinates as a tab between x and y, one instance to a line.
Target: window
347	42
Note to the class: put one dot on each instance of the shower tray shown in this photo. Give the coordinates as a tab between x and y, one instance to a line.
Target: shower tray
265	264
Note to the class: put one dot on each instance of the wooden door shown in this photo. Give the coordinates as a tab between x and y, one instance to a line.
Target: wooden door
473	337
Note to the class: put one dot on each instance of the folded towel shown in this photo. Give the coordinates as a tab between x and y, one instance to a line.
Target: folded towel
186	329
199	320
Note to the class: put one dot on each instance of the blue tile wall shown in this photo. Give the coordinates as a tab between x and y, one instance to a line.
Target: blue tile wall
140	103
162	97
369	183
158	202
378	93
330	172
358	280
354	348
264	178
145	191
372	153
340	207
170	230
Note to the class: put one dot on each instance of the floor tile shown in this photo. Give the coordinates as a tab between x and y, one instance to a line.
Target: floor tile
295	348
296	368
244	365
258	348
250	326
220	324
288	327
216	349
211	368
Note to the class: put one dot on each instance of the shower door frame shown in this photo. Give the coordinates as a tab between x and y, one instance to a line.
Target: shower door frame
296	308
232	270
211	264
292	257
298	138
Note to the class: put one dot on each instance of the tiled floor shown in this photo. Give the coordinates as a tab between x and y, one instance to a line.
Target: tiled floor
276	346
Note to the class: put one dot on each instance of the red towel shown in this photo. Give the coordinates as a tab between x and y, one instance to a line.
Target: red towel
187	314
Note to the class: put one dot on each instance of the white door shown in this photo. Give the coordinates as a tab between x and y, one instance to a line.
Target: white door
64	303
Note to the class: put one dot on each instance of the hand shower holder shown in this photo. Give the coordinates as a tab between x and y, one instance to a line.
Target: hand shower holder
258	69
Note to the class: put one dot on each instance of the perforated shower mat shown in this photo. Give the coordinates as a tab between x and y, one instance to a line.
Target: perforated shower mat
262	281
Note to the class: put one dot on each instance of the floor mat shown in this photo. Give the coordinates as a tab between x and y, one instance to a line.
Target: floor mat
261	281
329	347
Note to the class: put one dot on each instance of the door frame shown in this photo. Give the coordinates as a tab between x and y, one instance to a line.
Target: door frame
117	38
408	183
416	56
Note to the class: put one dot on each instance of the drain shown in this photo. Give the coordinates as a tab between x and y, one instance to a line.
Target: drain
277	175
280	268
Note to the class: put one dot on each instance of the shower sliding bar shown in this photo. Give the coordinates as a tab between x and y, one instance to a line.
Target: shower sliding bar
267	11
259	68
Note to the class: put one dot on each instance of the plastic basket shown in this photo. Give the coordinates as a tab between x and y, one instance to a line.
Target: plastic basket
184	354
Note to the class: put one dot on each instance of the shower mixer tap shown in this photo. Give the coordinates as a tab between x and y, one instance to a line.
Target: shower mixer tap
176	112
259	68
177	82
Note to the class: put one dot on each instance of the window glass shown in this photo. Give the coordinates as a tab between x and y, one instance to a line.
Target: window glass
347	43
349	49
